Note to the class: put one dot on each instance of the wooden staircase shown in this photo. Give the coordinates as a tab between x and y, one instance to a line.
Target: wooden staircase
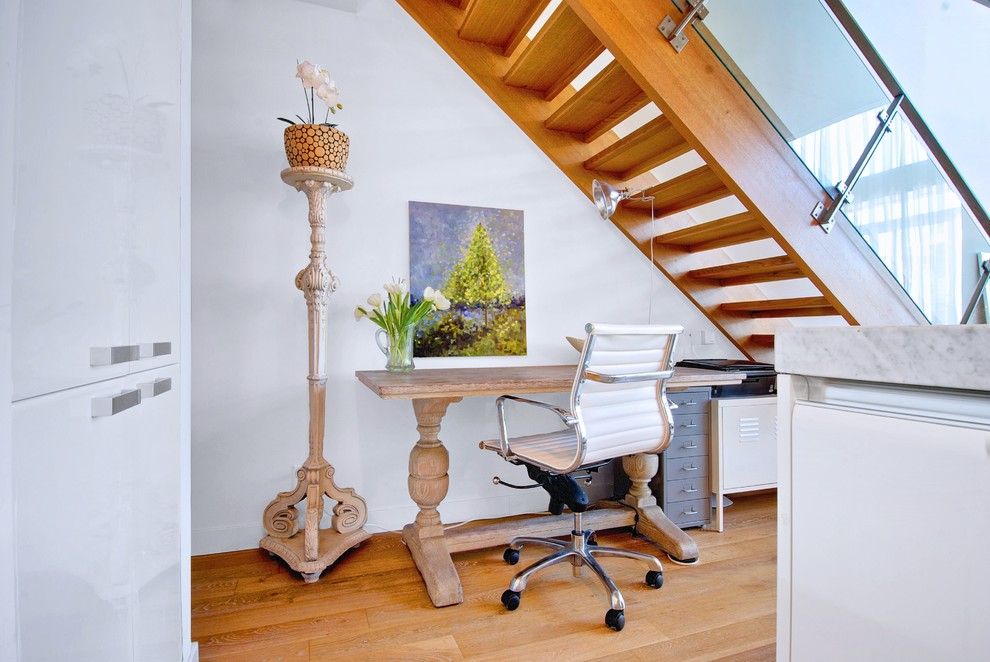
766	194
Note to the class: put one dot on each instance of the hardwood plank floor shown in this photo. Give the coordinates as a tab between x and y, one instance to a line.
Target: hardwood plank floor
373	606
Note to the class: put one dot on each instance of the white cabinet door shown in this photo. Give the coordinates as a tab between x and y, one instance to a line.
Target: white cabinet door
97	549
889	537
747	442
96	237
153	245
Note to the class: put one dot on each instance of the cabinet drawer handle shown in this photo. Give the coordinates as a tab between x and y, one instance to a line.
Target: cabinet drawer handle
691	491
152	349
688	448
689	403
157	387
113	355
690	512
685	425
691	468
109	405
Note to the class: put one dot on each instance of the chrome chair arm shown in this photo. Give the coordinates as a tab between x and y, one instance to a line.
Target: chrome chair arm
627	378
503	435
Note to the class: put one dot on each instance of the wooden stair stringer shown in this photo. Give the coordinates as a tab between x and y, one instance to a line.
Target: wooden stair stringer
568	152
716	117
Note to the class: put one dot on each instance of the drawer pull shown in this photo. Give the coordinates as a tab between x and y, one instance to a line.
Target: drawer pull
689	403
691	468
153	349
687	425
690	512
689	448
112	355
157	387
691	491
114	404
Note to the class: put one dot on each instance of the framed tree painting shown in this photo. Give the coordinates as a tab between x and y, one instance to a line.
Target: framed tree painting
474	255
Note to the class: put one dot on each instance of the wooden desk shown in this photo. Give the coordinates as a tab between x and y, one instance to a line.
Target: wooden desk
432	391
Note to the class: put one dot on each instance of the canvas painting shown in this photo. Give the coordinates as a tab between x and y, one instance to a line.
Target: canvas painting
474	255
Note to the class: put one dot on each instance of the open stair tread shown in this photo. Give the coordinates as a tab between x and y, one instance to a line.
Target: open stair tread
607	99
793	307
499	23
763	270
762	339
652	144
729	231
562	48
684	192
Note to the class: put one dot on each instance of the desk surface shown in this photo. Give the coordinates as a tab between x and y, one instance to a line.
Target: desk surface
469	382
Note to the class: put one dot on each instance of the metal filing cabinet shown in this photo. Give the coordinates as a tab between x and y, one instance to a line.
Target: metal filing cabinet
682	486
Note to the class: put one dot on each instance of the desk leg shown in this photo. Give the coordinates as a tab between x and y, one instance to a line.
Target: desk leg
652	522
428	482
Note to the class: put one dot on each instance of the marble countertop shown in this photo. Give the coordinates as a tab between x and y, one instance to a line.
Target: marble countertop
956	357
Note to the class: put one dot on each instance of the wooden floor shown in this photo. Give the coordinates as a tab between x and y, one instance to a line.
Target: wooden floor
372	605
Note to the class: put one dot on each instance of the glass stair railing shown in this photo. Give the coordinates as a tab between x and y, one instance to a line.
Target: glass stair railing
854	129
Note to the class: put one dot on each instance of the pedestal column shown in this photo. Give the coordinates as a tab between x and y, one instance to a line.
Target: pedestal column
311	550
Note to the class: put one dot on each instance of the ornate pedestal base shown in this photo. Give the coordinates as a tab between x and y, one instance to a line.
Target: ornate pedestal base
311	550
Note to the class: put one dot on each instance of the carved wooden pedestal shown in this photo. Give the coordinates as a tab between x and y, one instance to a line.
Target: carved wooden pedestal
311	550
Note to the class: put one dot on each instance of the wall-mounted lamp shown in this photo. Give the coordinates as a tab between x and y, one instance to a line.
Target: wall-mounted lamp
607	197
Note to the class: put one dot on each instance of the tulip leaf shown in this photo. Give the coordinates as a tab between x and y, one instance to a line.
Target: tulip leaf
286	121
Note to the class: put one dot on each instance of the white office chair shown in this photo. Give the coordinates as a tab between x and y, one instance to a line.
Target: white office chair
618	407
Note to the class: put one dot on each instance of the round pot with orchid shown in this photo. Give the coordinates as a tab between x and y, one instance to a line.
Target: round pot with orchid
397	318
309	142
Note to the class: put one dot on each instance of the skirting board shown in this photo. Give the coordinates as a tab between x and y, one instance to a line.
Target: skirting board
191	652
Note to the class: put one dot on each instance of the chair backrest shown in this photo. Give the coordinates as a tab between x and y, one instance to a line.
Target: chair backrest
619	393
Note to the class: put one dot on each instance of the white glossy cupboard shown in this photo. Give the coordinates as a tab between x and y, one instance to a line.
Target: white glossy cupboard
883	502
98	179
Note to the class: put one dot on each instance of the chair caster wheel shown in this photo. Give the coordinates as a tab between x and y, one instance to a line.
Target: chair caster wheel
511	556
511	600
615	619
654	578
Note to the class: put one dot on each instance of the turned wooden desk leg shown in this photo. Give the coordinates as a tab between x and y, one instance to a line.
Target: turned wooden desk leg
428	482
652	522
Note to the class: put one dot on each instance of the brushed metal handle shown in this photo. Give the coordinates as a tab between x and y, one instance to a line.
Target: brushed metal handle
691	468
112	355
686	425
691	491
157	387
689	403
109	405
689	448
690	512
151	349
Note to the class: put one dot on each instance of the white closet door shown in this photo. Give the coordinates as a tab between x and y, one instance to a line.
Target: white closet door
97	525
154	519
97	187
154	232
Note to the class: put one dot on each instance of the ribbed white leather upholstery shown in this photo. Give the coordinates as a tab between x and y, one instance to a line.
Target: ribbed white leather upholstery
613	419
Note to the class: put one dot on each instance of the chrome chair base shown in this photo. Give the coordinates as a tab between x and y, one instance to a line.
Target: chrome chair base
578	553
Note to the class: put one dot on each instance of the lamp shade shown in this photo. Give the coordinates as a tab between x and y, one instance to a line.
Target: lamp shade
607	197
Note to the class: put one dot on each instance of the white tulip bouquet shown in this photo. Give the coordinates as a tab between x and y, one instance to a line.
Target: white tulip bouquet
317	84
397	319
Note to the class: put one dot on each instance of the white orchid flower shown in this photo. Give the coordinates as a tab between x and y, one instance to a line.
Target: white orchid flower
328	93
307	72
375	300
360	312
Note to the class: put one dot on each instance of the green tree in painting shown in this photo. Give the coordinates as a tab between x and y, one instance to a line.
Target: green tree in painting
477	280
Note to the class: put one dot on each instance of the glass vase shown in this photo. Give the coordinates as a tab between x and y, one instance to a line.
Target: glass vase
398	348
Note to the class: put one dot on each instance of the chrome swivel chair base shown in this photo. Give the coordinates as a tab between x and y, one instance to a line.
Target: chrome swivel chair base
580	552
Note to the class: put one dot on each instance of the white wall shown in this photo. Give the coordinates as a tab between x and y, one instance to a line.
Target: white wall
420	130
939	52
8	68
